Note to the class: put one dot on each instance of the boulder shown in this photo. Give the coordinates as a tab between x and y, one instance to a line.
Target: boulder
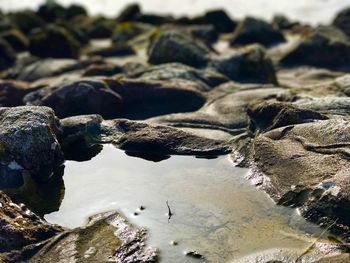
178	46
113	51
86	96
53	41
127	31
248	64
28	142
252	30
342	21
129	13
323	47
7	54
220	20
27	20
12	92
16	39
51	11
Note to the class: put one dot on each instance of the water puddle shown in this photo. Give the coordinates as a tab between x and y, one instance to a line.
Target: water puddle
216	211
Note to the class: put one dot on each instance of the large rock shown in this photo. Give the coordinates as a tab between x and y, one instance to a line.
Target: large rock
27	20
178	46
7	54
16	39
252	30
324	47
53	41
129	13
77	98
342	21
12	92
19	227
28	142
249	64
220	20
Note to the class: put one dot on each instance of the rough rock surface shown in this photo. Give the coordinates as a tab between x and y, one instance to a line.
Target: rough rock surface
28	142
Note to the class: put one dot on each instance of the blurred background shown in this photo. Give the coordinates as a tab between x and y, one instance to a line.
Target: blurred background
308	11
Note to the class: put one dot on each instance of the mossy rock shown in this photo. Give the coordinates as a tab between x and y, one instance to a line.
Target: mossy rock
7	55
53	41
252	30
16	39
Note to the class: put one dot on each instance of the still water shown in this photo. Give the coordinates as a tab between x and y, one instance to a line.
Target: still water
216	211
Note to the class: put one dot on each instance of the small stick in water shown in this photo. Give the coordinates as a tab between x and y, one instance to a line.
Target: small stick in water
169	211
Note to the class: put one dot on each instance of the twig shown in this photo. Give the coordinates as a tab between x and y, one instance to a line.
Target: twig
170	214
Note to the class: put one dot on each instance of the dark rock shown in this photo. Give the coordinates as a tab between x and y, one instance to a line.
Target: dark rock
51	11
75	10
271	115
252	30
324	47
28	142
162	140
12	92
16	39
129	13
249	64
127	31
20	227
154	19
27	20
342	21
206	33
113	51
53	41
220	20
7	55
281	22
106	70
78	98
177	46
143	99
100	29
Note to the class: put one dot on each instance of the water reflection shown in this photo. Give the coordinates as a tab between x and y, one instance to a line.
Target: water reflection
216	212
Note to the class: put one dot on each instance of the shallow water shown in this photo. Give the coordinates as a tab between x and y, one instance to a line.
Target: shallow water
216	211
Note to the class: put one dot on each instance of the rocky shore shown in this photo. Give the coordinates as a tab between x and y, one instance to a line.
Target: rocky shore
273	94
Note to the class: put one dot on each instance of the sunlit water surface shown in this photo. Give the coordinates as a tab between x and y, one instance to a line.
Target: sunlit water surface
216	211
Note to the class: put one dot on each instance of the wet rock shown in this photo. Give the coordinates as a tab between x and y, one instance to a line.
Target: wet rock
129	13
127	31
27	20
252	30
342	21
113	51
20	227
249	64
307	166
143	99
16	39
270	115
7	54
28	142
177	46
53	41
140	137
176	73
107	238
12	92
102	70
78	98
324	47
220	20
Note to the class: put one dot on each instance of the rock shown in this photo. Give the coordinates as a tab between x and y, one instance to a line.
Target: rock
177	46
342	21
51	11
281	22
107	237
127	31
129	13
27	20
154	19
252	30
16	39
327	105
143	138
100	28
307	166
176	73
53	41
20	227
271	115
323	47
113	51
102	70
75	10
206	33
81	97
7	54
220	20
248	64
12	92
143	99
28	142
